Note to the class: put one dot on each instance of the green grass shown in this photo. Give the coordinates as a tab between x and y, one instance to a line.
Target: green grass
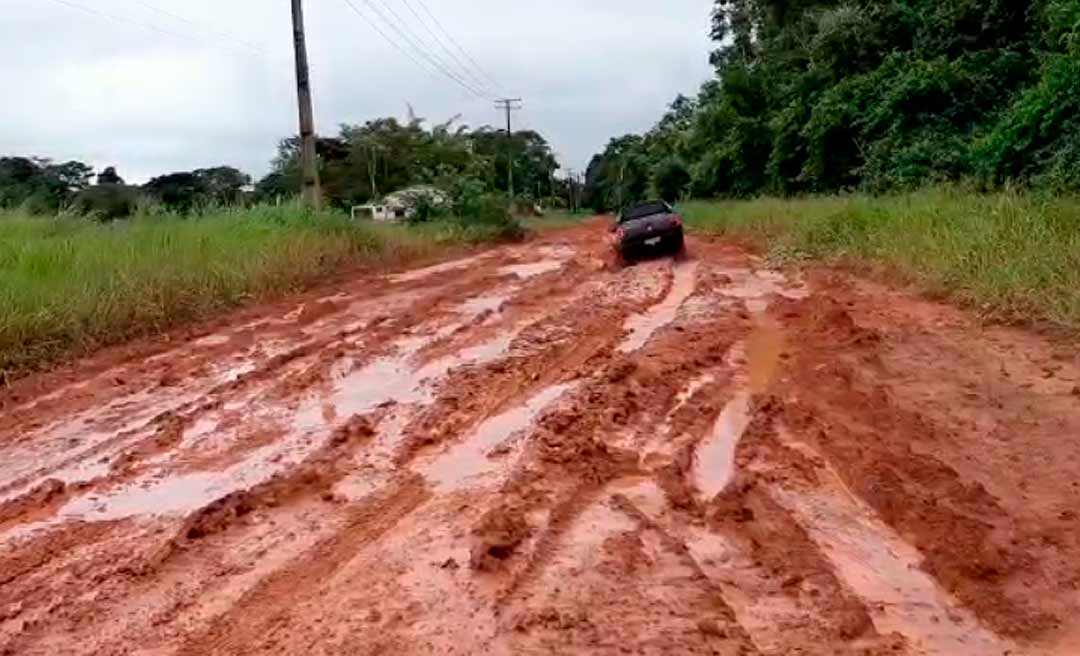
69	285
1013	257
553	220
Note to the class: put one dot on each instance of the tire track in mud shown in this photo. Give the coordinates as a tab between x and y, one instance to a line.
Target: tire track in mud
556	353
252	625
123	455
964	538
242	504
529	453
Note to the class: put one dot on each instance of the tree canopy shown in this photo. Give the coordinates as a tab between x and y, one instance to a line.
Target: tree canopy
825	95
365	162
40	184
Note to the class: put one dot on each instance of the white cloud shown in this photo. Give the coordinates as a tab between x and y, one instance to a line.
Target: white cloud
117	92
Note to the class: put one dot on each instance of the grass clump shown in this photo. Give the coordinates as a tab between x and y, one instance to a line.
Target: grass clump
69	285
1012	256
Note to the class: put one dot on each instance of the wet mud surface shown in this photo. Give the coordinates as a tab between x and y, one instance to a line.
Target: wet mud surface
530	452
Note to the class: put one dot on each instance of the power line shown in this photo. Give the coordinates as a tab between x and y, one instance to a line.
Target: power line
473	77
391	41
417	48
409	35
129	21
461	49
509	104
204	28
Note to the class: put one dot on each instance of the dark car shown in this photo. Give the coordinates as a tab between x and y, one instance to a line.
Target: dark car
652	227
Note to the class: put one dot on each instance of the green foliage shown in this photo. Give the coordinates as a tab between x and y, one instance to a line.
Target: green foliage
69	285
39	184
109	177
1012	256
366	162
670	179
107	202
878	95
184	192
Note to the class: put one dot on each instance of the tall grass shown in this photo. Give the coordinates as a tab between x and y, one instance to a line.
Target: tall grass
69	285
1014	257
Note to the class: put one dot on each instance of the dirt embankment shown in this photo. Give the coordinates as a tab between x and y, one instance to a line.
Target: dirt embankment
530	452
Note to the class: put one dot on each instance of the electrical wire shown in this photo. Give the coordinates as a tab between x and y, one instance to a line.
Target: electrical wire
418	48
478	81
137	23
204	28
439	25
391	41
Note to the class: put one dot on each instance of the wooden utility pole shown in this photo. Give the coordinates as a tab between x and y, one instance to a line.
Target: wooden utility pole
372	166
570	190
308	163
509	104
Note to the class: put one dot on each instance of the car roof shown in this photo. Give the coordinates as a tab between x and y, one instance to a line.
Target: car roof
640	210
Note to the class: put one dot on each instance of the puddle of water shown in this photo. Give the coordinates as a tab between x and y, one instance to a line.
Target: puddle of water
469	460
531	270
755	288
158	494
714	462
695	385
557	252
763	350
882	568
395	378
202	427
419	274
644	326
79	445
212	340
660	447
340	297
392	378
481	304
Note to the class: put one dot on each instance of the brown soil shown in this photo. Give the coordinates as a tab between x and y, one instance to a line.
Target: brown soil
530	451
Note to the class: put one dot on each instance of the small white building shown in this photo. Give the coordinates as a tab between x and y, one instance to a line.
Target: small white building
401	205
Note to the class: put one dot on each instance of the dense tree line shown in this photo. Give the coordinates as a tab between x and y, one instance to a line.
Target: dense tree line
823	95
41	186
367	161
363	163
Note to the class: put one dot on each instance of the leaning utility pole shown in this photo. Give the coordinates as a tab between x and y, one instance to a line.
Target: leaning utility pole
308	164
509	104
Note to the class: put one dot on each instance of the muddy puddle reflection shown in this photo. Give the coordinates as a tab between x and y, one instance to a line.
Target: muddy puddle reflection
714	462
643	326
470	460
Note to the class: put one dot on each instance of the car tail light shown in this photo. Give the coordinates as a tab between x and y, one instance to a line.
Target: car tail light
676	221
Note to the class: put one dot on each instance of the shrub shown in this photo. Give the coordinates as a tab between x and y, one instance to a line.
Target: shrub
107	202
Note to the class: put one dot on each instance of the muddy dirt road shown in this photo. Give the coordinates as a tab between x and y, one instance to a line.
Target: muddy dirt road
525	452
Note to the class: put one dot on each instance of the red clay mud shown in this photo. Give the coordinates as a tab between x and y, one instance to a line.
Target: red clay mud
530	451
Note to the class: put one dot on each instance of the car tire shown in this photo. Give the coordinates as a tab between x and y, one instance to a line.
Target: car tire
678	246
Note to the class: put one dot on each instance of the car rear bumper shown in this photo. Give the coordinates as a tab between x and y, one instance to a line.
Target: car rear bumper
651	242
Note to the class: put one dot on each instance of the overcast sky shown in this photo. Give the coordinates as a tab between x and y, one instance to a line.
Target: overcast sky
151	93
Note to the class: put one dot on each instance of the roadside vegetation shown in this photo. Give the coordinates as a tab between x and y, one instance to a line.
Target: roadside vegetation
937	139
820	96
88	259
69	285
1011	256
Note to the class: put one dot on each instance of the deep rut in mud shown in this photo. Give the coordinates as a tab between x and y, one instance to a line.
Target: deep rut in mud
528	452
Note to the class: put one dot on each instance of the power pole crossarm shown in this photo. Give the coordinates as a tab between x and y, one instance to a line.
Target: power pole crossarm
509	104
311	193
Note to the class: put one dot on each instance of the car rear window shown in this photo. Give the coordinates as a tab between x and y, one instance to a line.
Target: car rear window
641	211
